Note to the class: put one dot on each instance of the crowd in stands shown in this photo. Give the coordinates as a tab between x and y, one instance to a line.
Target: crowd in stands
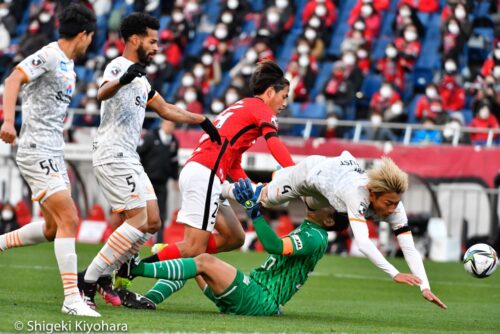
433	62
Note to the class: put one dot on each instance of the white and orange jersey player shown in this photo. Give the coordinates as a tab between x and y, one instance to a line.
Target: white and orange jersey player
48	80
341	183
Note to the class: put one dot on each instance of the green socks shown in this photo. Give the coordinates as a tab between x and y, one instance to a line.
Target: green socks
177	269
163	289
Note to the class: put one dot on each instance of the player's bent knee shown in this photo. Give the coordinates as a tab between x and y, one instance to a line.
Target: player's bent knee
204	261
154	225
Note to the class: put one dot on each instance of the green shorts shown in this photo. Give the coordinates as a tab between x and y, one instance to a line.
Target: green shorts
244	297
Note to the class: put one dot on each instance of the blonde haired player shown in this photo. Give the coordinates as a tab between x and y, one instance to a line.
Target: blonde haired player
341	183
49	81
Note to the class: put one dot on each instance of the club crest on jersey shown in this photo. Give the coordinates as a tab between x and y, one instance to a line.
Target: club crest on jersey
362	209
37	61
115	71
69	89
63	66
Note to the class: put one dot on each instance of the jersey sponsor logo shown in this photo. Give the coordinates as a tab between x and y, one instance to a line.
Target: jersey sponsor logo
141	101
298	242
115	70
63	66
66	98
37	61
362	209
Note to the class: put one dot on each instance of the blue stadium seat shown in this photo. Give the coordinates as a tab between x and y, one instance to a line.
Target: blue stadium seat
284	52
164	22
324	73
212	9
371	84
422	76
468	116
307	111
195	46
411	108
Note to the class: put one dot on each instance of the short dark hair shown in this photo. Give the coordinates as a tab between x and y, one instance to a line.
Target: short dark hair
74	19
137	24
267	74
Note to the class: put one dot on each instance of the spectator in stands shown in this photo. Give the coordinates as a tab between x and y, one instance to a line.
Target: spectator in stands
460	14
428	135
114	41
450	9
212	67
232	95
484	119
378	5
424	6
8	220
324	9
339	91
220	34
286	9
239	8
391	68
273	24
430	105
331	130
217	105
372	19
172	51
89	103
355	39
385	106
453	126
227	17
299	91
408	47
7	20
491	61
451	92
488	89
193	100
407	15
180	27
454	39
363	63
224	56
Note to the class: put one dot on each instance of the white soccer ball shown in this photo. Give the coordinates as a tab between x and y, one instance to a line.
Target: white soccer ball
480	260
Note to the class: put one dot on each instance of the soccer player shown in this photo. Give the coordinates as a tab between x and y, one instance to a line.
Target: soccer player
126	93
201	178
49	81
268	287
339	182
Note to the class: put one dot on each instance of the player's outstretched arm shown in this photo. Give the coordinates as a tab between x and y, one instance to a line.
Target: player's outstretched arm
13	84
175	114
244	194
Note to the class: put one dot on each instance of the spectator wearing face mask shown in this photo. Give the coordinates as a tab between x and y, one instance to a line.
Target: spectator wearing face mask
460	12
387	104
406	15
180	27
391	68
231	95
224	56
384	99
351	70
8	220
315	41
453	39
212	67
372	19
227	17
272	24
8	21
428	135
338	91
364	64
331	130
220	34
324	9
378	5
483	119
431	106
201	78
451	92
355	39
286	9
188	81
239	8
306	58
408	47
217	106
453	127
424	6
492	61
171	49
299	91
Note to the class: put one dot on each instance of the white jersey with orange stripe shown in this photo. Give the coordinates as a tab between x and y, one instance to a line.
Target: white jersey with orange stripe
342	181
45	99
122	117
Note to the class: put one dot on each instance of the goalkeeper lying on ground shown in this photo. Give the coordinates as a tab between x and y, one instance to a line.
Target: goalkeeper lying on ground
268	287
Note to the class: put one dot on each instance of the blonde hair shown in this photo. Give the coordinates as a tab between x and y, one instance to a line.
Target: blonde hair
387	178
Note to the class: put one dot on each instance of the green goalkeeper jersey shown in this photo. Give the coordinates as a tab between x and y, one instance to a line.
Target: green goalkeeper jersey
284	275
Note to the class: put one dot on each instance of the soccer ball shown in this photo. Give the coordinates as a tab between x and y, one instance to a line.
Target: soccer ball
480	260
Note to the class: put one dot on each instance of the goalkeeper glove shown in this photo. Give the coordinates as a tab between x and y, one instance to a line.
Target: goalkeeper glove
245	195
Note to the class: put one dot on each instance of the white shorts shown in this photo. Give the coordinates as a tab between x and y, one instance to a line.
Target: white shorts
291	183
125	185
45	174
200	191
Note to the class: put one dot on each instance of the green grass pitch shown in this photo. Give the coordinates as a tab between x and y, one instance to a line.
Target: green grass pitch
344	295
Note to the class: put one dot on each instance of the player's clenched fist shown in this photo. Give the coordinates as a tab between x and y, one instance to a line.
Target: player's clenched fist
134	71
8	133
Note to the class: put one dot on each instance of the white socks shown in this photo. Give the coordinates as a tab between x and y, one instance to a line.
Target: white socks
29	234
118	245
67	262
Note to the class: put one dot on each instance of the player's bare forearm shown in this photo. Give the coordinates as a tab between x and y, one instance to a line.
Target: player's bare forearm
108	90
173	113
12	87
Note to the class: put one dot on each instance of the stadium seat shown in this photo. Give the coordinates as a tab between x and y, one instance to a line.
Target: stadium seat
411	108
307	111
324	73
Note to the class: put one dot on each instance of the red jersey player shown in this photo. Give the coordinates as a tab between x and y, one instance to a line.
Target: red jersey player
200	180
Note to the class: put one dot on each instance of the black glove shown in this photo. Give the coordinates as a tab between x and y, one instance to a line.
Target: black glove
210	129
133	71
245	195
